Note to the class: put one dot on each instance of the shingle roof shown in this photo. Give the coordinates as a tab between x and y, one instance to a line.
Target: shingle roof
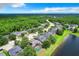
15	50
35	42
46	35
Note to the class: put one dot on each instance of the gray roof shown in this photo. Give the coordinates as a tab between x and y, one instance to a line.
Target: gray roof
35	42
18	33
15	50
46	35
72	25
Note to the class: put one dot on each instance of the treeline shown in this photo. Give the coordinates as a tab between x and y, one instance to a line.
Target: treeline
66	19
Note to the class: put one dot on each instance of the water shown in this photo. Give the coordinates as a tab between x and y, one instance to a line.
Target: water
69	48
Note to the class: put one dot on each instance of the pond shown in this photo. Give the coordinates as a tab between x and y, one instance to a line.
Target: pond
69	48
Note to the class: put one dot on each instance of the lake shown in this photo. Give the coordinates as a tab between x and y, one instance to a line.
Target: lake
69	48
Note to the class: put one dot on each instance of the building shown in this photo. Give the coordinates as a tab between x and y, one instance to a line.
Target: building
35	43
44	37
58	25
72	27
14	51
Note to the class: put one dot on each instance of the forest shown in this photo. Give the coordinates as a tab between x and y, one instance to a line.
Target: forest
10	24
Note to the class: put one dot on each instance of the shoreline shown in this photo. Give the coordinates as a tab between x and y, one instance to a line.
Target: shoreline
60	40
59	47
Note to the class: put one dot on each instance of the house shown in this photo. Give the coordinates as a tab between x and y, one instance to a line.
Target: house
31	36
58	25
35	43
72	26
14	51
19	33
44	37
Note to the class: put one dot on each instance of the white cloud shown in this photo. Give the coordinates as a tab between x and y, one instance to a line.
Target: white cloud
13	5
57	10
16	5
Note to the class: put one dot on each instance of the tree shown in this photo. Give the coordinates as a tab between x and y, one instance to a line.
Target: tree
12	37
24	42
59	32
52	39
22	34
28	51
74	30
17	42
46	44
3	40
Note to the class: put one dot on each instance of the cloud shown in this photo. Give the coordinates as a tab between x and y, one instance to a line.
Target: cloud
57	10
16	5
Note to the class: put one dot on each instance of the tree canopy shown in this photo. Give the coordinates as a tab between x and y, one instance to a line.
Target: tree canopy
29	51
46	44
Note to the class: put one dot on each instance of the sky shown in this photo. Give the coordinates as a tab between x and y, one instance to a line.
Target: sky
49	8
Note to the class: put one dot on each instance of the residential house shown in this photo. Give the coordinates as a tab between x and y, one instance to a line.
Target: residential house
14	51
44	37
58	25
72	26
35	43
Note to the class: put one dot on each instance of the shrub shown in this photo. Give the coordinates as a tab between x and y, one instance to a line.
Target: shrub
3	40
